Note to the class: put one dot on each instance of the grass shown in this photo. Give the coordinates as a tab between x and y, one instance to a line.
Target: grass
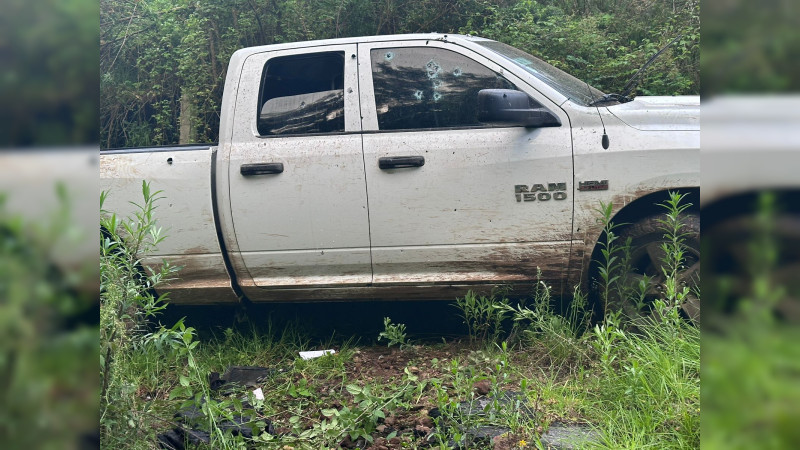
635	389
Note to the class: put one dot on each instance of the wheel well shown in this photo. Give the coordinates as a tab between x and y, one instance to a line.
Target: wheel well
639	209
651	204
746	203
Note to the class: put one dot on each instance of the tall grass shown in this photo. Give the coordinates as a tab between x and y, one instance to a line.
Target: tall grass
636	387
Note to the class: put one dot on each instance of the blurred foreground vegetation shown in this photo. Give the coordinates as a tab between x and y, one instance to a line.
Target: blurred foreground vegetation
48	334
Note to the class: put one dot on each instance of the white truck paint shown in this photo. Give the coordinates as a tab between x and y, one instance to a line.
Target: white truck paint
484	202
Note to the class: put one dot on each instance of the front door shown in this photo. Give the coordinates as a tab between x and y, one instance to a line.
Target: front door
453	200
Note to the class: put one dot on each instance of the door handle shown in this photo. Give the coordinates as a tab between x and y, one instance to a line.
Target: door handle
396	162
261	169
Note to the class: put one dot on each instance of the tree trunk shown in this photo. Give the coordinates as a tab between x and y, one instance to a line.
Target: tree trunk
186	122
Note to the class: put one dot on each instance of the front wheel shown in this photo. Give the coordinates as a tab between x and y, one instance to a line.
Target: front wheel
643	279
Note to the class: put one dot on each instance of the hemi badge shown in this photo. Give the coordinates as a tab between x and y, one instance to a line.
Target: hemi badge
593	185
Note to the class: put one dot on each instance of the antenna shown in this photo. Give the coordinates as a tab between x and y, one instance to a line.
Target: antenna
604	141
631	83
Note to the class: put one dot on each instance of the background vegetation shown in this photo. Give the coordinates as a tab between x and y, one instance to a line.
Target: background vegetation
158	57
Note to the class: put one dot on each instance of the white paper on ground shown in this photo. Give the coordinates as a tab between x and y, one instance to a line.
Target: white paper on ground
316	353
259	394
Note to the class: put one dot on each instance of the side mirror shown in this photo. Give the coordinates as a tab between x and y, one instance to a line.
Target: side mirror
511	107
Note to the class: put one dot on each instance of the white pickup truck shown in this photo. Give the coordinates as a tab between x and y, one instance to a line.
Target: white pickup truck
408	166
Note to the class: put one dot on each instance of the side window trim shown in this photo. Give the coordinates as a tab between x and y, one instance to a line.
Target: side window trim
245	119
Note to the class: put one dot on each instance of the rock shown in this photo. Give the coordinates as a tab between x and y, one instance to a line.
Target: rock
482	387
478	406
421	431
349	443
426	421
561	436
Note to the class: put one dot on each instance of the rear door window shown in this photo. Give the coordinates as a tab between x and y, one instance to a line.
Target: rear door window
302	94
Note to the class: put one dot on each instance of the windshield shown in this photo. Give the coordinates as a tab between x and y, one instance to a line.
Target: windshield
571	87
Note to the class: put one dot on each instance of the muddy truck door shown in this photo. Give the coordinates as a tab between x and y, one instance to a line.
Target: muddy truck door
295	173
461	188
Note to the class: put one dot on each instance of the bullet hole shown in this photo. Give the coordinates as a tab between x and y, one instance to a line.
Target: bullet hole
418	95
433	69
457	72
436	84
436	96
388	56
455	210
169	161
302	105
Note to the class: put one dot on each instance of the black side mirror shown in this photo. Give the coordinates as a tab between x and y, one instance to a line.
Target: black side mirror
515	108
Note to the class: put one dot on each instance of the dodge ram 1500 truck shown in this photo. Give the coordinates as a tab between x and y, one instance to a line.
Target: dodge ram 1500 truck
408	166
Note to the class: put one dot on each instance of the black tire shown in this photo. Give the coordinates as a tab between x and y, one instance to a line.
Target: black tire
646	259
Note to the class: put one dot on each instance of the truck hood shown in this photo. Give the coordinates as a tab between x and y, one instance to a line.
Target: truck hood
660	113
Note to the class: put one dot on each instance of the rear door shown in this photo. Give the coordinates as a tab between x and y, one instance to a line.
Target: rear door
296	172
453	200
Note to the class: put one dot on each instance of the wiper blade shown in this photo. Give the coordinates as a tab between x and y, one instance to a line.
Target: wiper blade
607	98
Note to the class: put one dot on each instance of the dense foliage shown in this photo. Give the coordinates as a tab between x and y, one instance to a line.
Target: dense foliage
157	54
48	72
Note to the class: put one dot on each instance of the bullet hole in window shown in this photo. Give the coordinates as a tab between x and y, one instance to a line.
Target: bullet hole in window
418	95
388	56
302	105
457	72
436	96
436	84
433	69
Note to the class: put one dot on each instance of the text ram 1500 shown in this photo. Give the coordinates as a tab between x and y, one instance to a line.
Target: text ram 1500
408	166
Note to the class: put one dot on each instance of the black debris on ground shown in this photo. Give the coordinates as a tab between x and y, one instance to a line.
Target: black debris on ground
240	376
191	420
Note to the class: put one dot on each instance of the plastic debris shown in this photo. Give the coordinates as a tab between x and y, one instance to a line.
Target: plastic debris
316	353
259	394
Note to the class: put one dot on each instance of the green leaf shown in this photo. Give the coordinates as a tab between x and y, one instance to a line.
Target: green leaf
329	412
353	389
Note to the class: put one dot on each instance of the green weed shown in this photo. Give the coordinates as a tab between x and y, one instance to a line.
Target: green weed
395	334
483	315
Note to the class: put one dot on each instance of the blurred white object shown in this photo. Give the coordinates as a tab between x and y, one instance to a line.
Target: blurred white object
259	394
316	353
